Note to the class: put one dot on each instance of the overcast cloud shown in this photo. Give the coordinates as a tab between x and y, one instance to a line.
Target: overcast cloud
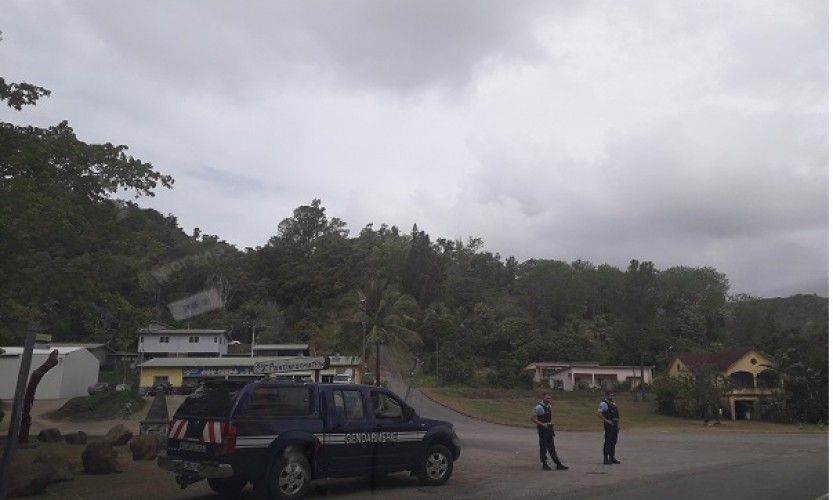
690	133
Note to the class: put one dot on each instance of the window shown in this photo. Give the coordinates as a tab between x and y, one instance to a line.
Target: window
215	340
753	361
142	339
348	405
160	378
385	407
279	402
164	340
193	340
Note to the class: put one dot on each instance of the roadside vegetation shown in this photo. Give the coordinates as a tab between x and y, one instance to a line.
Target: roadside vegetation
576	411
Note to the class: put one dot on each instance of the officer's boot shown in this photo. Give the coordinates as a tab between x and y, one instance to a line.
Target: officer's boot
545	466
614	461
560	466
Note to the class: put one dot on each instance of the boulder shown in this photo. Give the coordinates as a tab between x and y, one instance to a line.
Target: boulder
57	468
144	447
51	435
100	458
119	435
27	480
79	437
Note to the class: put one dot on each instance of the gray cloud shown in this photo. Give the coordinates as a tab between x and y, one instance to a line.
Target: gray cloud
684	133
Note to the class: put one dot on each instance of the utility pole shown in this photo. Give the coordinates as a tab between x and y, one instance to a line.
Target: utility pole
252	351
437	360
17	409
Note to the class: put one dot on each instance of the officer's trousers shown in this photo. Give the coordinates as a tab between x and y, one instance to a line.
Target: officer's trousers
546	443
611	436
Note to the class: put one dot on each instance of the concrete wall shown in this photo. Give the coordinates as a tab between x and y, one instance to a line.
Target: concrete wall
80	370
149	342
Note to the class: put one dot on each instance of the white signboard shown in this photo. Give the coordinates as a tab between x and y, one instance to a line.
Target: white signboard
290	365
198	303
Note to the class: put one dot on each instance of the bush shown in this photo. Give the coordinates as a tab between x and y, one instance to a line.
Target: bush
101	406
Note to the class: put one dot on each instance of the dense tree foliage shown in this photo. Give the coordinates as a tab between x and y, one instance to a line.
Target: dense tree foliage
93	268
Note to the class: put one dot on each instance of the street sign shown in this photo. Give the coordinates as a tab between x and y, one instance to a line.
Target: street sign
291	365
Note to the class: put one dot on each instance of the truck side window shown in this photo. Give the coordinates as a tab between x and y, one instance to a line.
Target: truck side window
348	405
385	407
279	402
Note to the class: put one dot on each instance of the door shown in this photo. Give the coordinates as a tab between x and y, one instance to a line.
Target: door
347	448
400	438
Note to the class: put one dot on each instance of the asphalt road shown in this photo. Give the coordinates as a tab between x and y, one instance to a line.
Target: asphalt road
501	462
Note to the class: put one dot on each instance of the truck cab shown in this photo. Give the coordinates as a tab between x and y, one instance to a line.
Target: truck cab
279	436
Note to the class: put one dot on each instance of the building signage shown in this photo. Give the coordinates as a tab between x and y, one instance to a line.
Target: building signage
217	372
291	365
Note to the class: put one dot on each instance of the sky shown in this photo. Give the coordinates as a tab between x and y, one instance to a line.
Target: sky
685	133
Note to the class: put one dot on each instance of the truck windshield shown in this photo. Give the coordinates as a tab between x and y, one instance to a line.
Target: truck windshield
210	400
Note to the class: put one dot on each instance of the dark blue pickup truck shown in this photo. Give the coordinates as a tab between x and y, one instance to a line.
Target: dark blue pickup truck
281	435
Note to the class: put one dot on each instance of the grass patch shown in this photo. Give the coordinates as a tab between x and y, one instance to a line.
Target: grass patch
101	406
576	411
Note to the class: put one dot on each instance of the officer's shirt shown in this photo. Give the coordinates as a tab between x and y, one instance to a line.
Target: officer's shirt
539	410
603	407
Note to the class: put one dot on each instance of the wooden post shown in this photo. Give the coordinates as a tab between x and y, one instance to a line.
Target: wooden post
29	398
17	409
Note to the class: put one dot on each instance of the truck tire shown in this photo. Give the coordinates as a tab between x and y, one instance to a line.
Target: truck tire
287	478
227	486
436	466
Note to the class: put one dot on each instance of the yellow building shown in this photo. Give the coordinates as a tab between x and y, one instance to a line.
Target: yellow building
753	383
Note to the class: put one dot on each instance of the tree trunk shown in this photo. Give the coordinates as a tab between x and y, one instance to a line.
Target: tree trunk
29	399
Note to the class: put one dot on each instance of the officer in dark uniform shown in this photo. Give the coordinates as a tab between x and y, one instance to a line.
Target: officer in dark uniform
542	418
609	415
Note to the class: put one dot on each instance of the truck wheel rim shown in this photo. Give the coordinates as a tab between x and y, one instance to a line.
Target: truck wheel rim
291	478
436	466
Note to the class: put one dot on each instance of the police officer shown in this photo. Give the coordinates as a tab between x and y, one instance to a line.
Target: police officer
542	418
609	415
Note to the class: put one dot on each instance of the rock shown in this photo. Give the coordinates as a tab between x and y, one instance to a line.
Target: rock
79	437
51	435
118	435
27	480
144	447
57	468
100	458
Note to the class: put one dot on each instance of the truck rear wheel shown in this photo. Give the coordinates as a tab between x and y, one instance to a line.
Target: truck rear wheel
227	486
287	478
436	466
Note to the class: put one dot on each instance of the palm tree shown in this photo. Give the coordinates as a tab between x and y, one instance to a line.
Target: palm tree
387	315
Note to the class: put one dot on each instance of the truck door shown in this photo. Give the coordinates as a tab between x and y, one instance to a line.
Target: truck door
347	448
399	438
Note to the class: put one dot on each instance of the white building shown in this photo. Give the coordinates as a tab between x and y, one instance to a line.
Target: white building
162	341
76	370
569	376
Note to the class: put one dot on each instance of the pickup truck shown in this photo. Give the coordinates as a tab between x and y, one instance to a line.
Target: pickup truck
279	436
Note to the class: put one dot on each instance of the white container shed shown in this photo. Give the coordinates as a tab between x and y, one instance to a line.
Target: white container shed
76	370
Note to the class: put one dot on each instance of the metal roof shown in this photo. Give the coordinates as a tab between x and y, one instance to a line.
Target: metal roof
17	351
263	347
184	331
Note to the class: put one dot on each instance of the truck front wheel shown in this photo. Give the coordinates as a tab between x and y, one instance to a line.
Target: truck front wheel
436	466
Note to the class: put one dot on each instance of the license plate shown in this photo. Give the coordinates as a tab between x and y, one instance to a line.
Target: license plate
191	466
186	446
